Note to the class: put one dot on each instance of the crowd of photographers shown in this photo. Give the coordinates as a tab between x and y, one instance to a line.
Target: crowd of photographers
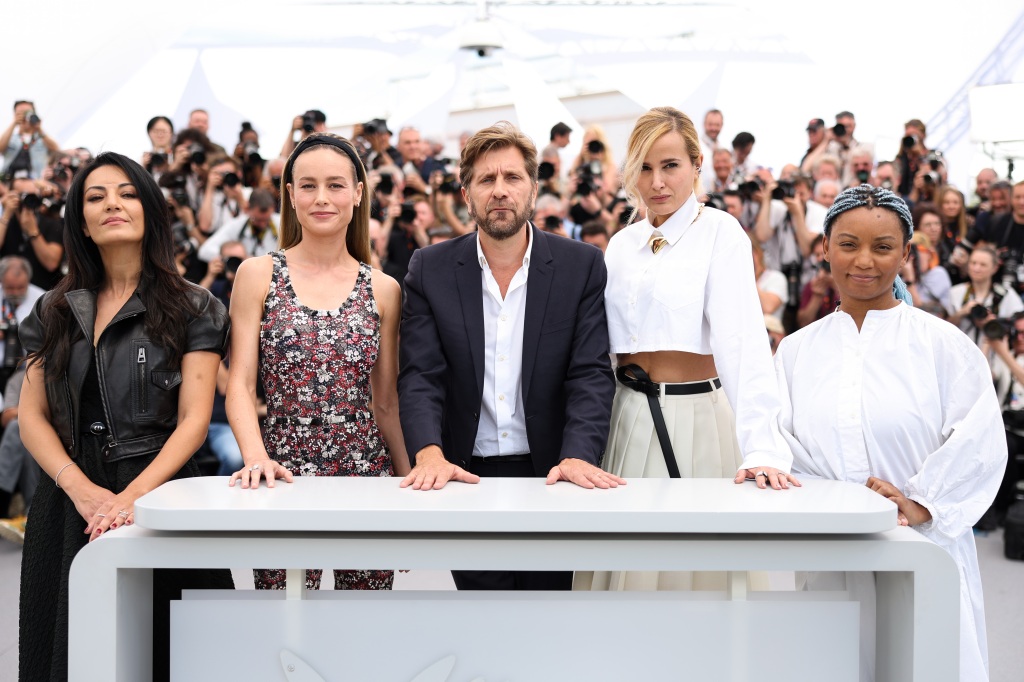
967	261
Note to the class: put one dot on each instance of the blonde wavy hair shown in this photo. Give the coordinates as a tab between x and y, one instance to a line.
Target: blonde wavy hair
648	129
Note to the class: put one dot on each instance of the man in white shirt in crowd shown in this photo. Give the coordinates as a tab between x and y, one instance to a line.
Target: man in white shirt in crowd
709	145
257	230
224	196
19	295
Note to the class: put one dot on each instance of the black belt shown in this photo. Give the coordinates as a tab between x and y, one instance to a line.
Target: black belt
320	421
635	378
502	458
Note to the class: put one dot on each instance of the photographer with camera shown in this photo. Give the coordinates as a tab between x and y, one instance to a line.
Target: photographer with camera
373	142
247	154
199	119
161	136
910	159
1004	232
1007	345
224	196
304	125
419	165
186	174
25	154
781	228
17	296
26	230
887	176
596	156
859	167
447	202
409	233
722	172
819	296
973	304
257	231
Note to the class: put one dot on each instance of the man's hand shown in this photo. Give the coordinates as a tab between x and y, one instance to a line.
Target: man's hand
433	471
910	513
583	474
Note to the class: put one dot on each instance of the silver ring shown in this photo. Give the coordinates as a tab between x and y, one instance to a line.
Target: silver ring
123	513
760	473
254	467
102	516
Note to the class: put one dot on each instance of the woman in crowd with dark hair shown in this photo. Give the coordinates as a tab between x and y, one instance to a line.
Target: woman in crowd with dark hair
883	394
319	328
123	353
161	133
981	298
685	321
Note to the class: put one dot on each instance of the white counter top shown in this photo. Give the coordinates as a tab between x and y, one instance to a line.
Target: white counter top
511	505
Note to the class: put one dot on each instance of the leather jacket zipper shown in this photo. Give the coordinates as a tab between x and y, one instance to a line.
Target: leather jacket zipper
71	413
111	435
140	361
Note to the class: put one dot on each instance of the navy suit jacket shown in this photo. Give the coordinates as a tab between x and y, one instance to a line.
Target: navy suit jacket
567	381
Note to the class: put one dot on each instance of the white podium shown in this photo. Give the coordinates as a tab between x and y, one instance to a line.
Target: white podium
515	524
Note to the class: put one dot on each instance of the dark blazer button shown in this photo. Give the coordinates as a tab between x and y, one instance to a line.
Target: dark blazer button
476	416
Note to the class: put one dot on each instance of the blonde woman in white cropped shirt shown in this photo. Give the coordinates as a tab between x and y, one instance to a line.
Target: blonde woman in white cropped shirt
683	311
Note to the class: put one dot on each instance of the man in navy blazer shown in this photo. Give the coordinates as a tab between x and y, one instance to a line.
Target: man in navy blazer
504	346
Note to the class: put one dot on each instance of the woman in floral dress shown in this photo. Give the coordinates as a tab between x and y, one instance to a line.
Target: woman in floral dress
319	328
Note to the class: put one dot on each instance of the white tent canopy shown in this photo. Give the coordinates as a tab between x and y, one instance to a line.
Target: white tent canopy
98	71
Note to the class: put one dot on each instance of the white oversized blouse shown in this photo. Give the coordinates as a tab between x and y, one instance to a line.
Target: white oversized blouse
908	399
698	295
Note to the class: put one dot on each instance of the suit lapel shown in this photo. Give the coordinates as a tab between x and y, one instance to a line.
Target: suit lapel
538	288
468	279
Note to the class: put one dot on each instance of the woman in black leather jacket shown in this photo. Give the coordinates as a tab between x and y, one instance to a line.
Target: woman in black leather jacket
123	355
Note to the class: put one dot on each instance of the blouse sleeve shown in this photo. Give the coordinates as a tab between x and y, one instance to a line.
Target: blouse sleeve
739	343
209	329
958	481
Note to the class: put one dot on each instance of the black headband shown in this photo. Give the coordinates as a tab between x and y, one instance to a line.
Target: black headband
316	140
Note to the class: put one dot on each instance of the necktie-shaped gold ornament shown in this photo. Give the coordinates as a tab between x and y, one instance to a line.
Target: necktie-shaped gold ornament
657	241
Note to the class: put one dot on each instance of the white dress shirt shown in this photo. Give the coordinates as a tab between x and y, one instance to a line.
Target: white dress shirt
907	399
238	229
698	295
502	428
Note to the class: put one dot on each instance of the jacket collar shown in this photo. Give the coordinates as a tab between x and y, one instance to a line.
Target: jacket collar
83	306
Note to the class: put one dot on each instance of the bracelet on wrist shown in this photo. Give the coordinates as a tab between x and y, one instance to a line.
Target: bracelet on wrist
56	479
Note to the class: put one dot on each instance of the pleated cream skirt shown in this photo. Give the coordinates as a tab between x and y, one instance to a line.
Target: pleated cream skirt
702	428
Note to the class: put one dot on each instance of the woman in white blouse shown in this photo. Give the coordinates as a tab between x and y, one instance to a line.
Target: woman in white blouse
883	394
685	323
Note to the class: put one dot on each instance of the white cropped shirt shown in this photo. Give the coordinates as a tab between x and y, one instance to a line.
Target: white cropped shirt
698	295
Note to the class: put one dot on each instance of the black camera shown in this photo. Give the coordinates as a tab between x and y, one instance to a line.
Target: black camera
863	176
908	142
369	128
197	154
231	265
60	171
408	215
309	122
749	188
30	201
552	223
595	146
386	184
545	171
32	117
157	159
785	189
182	242
231	179
715	200
934	160
979	312
839	130
932	178
449	185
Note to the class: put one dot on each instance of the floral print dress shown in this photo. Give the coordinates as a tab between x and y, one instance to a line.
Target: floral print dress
315	368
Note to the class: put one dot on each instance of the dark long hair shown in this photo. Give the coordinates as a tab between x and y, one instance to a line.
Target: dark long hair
163	291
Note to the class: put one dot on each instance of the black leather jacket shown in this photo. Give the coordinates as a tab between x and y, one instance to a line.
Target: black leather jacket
138	385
